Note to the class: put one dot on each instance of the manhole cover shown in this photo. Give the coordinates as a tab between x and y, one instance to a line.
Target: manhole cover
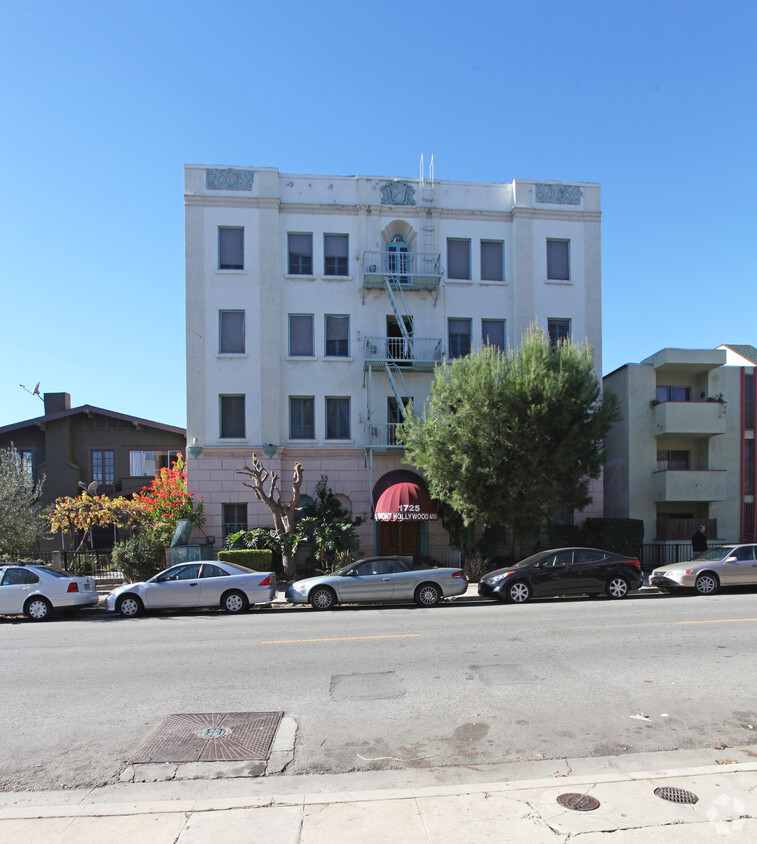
578	802
211	737
676	795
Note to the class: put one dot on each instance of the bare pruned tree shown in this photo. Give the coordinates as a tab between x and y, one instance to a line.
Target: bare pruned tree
264	485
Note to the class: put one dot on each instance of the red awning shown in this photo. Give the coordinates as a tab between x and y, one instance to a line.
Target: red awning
405	502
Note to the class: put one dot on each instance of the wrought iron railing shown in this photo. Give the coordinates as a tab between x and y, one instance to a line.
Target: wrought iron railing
410	351
411	270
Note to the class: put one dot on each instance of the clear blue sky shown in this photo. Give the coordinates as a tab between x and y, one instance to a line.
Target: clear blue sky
103	103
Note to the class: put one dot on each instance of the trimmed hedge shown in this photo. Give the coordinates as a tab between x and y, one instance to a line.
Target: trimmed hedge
622	536
259	559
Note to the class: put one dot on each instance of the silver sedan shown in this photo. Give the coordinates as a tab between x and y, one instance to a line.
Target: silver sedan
378	579
722	565
38	591
205	584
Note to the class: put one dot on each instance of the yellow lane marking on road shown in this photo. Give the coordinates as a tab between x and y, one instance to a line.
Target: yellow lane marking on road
717	620
338	639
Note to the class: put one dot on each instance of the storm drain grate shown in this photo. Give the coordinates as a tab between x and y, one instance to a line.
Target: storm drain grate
676	795
211	737
578	802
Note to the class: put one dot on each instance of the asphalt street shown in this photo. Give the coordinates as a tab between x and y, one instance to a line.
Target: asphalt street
463	684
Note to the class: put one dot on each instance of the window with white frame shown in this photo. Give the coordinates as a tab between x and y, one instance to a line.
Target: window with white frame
301	335
104	466
337	418
300	254
459	337
232	416
230	248
558	260
558	329
493	332
337	334
335	254
231	332
26	460
141	464
458	258
492	260
301	418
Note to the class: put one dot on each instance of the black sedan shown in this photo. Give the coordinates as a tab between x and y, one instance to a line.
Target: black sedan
563	571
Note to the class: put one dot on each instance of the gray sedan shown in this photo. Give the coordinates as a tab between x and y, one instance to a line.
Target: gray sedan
378	579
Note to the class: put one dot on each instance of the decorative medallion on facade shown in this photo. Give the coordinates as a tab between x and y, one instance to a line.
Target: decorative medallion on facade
559	194
397	193
228	179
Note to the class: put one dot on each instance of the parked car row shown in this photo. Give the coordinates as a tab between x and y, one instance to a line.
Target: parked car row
38	591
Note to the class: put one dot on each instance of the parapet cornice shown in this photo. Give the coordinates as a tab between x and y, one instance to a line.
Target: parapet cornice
556	214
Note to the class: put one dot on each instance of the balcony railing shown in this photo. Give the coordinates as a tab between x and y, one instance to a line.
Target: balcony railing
690	485
382	436
408	270
418	353
696	418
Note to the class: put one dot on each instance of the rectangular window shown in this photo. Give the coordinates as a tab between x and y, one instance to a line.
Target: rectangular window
558	260
232	417
675	460
234	518
337	419
749	401
300	254
673	393
301	335
337	332
492	260
459	337
231	332
458	258
558	329
749	467
104	467
26	459
141	464
301	418
335	254
493	332
230	248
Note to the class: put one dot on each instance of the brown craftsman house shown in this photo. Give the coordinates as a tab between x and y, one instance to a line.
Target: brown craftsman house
69	445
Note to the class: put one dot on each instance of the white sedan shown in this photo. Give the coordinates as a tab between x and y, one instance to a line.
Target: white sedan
37	591
205	584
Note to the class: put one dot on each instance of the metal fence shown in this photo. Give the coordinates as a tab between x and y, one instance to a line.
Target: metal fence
653	555
97	563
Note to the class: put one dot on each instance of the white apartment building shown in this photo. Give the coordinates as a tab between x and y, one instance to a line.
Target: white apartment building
318	305
683	452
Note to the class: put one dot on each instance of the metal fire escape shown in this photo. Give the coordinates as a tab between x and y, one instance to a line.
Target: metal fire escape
400	271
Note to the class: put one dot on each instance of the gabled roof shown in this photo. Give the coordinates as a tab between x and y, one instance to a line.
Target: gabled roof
90	409
748	352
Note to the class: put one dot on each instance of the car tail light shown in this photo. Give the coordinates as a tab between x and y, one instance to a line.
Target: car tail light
266	581
634	563
460	573
73	587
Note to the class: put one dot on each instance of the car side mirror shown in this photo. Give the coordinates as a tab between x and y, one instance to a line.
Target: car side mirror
732	560
350	573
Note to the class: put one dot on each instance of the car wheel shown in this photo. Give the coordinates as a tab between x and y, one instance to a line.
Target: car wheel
322	598
129	606
707	584
617	588
235	602
428	595
518	592
38	609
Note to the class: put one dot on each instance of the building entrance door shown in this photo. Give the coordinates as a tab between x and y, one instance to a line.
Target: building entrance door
399	538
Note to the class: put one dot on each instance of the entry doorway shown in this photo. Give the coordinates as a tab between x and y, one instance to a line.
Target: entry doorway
400	538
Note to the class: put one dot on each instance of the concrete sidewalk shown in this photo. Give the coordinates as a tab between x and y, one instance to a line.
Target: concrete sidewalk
503	803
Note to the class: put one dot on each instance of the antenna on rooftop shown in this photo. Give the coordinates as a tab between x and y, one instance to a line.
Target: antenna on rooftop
34	392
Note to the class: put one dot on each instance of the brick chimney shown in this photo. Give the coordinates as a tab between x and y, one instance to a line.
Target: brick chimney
57	402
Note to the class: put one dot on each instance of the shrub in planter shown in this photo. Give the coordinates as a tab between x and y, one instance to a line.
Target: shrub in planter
141	556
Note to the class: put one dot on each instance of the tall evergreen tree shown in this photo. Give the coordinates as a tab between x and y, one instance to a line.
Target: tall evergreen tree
20	524
513	438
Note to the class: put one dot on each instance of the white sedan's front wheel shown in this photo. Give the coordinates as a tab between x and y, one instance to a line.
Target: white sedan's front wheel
707	584
129	606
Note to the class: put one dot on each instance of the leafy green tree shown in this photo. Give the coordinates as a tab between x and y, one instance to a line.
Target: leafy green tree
513	437
329	526
19	504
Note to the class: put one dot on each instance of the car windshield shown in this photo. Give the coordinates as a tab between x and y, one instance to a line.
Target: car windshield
720	552
528	561
53	572
341	572
237	567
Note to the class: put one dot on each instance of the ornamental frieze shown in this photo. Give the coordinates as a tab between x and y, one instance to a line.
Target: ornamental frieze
228	179
397	193
559	194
